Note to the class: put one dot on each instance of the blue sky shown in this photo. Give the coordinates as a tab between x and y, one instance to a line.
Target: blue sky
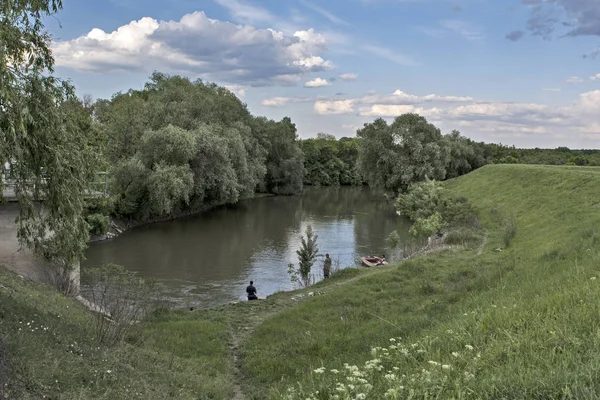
523	72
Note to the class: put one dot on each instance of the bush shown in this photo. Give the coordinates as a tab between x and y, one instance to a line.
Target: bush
421	201
427	199
462	236
98	224
425	227
509	230
120	299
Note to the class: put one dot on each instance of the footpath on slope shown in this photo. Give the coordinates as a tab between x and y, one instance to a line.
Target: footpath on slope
243	322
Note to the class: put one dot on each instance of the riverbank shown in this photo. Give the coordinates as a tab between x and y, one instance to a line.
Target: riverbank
117	226
516	323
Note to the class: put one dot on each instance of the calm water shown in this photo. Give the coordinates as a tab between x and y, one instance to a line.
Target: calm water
209	259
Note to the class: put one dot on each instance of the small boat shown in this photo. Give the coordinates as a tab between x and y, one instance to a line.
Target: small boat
370	261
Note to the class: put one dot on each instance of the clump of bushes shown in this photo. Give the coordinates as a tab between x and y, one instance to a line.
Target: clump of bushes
98	224
121	299
432	209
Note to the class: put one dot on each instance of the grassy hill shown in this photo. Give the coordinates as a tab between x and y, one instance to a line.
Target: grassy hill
466	322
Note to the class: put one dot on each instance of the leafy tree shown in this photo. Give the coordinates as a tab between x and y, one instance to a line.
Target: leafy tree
307	254
43	135
392	157
285	164
170	145
168	186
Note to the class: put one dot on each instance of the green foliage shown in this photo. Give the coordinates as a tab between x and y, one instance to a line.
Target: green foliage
168	186
175	129
285	164
329	162
393	240
170	145
307	254
45	134
421	200
425	227
432	208
98	224
393	157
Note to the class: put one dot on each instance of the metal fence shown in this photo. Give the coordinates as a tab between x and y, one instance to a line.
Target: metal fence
97	188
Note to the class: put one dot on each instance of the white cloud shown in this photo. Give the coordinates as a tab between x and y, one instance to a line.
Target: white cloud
388	110
333	18
399	97
493	119
247	13
349	77
239	90
574	79
551	89
328	107
198	45
463	28
282	101
391	55
595	77
317	82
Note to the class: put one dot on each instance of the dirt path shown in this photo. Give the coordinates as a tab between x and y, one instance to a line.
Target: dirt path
244	319
242	324
483	243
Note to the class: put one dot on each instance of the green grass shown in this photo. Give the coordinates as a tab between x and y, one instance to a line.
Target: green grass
52	352
531	314
532	310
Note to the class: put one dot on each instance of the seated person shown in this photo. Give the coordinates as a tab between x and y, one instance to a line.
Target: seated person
382	261
251	291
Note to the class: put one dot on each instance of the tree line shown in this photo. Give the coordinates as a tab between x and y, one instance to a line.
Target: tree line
180	146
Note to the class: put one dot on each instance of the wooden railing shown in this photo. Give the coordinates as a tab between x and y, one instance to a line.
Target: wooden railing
97	188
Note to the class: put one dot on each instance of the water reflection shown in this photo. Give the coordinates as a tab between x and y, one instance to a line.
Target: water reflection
208	259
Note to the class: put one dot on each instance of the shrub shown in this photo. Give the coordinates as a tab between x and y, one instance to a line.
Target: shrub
98	224
426	199
120	299
307	255
463	236
425	227
509	230
421	201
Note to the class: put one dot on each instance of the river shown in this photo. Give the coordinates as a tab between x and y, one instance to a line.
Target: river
208	259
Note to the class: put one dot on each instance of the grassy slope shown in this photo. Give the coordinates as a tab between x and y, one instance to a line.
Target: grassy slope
532	311
52	352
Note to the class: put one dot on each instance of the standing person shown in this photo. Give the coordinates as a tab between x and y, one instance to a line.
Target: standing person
251	291
327	266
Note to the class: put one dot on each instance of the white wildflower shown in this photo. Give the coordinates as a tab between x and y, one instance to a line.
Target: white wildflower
335	371
455	354
319	370
434	362
469	347
446	366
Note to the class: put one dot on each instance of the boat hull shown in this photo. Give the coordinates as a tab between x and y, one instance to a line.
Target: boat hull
370	261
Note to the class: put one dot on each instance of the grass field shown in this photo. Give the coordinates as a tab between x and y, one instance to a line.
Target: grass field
471	322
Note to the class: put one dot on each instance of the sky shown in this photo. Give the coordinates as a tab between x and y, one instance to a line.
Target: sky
517	72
